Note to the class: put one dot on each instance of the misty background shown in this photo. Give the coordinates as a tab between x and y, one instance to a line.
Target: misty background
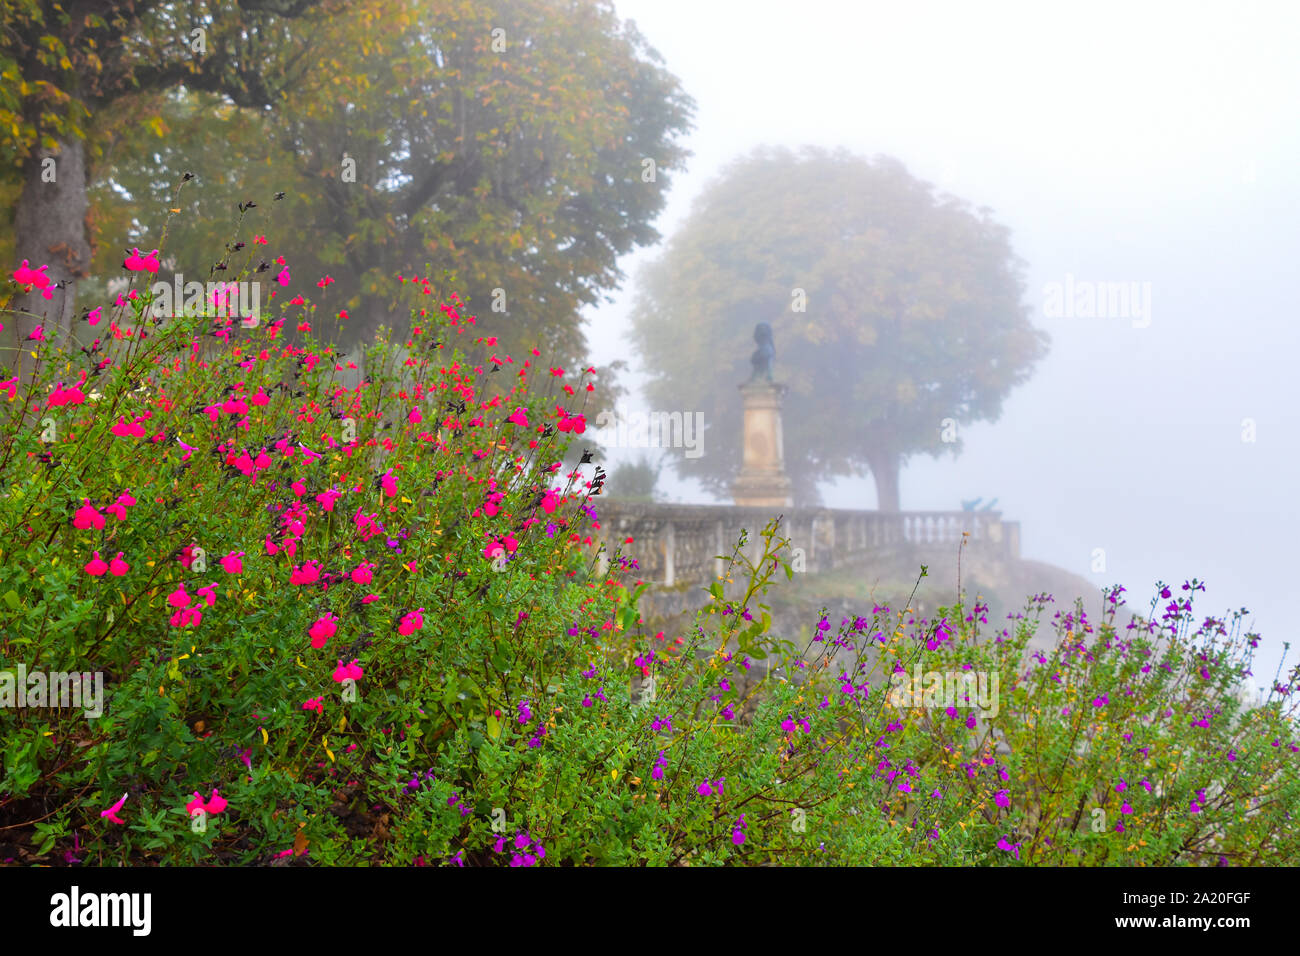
1154	144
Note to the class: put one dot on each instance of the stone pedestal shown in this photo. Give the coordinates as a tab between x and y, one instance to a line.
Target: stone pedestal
762	482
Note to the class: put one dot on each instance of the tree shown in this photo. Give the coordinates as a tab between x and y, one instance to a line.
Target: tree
507	142
898	315
635	480
64	65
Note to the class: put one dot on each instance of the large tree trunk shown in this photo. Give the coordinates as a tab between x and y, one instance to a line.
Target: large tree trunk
885	466
50	228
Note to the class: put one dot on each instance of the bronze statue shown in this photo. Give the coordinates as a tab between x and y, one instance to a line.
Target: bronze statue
765	353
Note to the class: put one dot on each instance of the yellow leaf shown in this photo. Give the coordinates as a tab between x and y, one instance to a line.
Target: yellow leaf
614	774
265	738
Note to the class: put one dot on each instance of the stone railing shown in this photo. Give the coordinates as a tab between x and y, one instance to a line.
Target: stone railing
678	545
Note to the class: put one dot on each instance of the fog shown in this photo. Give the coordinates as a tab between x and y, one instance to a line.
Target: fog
1148	144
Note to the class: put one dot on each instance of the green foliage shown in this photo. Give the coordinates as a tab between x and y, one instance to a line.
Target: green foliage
199	513
501	142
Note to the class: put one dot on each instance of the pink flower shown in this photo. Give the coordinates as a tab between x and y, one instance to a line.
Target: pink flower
414	416
66	396
96	566
316	703
519	417
389	483
366	525
283	277
117	567
94	315
327	498
215	804
179	597
187	617
576	423
208	594
309	573
361	574
87	517
231	563
26	275
411	622
550	502
351	671
138	263
322	630
112	811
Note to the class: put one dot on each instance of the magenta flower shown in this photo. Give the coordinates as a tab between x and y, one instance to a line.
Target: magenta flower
216	804
322	630
112	811
351	671
411	622
87	517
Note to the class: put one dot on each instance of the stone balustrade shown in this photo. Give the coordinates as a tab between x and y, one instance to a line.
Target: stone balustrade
678	545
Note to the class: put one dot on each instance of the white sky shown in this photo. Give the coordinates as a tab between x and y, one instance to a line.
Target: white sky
1129	141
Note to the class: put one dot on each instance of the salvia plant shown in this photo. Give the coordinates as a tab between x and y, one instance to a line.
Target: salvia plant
382	624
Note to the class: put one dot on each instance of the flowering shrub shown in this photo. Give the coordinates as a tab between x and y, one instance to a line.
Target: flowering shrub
369	625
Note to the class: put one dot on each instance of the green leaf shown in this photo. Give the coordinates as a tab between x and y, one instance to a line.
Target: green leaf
11	598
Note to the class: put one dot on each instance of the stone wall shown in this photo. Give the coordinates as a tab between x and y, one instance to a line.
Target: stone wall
677	547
